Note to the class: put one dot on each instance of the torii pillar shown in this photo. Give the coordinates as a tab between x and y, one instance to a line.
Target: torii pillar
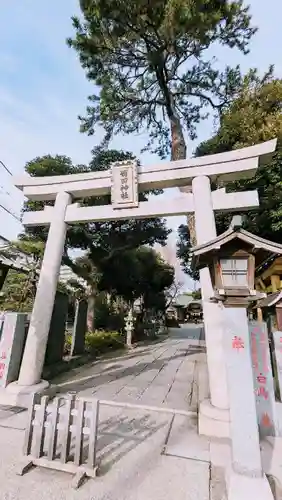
29	380
213	414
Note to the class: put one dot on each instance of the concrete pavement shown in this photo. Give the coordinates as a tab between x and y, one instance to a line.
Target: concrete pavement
164	374
142	455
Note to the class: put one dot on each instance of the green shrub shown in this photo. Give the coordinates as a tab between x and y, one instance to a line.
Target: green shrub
97	342
67	346
105	317
100	341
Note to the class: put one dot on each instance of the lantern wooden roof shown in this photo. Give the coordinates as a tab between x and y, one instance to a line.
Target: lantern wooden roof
271	300
235	237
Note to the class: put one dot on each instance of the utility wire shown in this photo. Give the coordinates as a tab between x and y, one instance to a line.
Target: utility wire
6	168
2	206
10	213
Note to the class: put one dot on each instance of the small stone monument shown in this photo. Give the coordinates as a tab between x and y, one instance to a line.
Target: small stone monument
56	338
11	347
79	328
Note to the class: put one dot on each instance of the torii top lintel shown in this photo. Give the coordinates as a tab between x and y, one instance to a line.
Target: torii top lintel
237	164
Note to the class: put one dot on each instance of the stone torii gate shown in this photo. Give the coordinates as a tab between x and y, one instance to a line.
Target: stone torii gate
124	181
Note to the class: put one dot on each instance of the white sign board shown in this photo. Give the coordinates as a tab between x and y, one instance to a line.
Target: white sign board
124	190
11	347
263	379
277	337
243	419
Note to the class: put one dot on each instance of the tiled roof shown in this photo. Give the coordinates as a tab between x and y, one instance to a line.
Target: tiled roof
13	264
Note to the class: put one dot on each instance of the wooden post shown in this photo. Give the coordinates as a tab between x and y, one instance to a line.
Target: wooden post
39	424
53	435
34	400
79	432
66	437
93	433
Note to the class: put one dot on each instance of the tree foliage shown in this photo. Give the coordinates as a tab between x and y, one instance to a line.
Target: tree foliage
127	276
111	259
253	117
19	288
197	294
151	66
102	240
17	293
147	275
45	166
49	165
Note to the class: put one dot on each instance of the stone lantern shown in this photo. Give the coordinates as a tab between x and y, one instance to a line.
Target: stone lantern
129	327
232	259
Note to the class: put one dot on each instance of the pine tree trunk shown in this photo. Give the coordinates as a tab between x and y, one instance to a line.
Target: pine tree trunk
178	152
178	144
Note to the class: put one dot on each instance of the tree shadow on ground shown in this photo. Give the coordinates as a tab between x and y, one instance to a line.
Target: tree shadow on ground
111	358
98	380
119	435
196	333
7	411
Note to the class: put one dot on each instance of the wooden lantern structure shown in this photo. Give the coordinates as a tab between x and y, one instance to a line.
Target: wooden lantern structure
232	259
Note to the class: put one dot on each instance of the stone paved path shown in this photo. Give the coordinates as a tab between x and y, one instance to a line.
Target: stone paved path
163	374
142	454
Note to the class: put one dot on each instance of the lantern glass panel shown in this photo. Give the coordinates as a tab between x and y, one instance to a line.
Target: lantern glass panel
234	272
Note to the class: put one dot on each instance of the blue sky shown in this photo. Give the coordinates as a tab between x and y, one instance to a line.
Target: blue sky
43	88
